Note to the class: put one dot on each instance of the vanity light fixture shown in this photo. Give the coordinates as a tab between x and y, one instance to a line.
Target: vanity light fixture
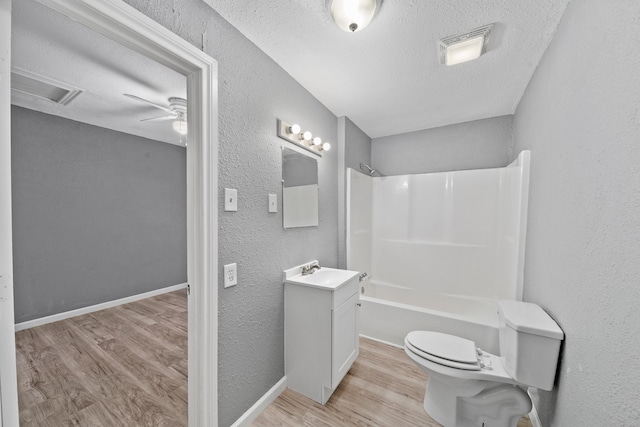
353	15
293	133
464	47
294	129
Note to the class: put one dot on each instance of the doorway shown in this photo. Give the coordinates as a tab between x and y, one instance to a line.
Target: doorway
125	25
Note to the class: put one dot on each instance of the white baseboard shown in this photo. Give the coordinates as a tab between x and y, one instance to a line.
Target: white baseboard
381	341
254	412
90	309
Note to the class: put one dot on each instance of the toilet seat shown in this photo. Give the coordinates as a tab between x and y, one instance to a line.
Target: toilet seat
444	349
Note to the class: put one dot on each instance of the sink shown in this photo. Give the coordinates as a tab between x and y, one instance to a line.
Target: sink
326	277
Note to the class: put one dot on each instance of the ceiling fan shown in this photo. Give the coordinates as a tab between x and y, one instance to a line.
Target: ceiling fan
176	111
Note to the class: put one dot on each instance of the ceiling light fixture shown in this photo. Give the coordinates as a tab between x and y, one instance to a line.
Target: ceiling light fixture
180	126
464	47
293	134
353	15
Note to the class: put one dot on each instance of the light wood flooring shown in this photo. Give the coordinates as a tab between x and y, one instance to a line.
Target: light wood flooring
123	366
383	388
127	366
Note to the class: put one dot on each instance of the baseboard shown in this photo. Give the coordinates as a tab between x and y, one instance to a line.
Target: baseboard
381	341
92	308
254	412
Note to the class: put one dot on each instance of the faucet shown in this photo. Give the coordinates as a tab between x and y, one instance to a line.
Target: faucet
309	269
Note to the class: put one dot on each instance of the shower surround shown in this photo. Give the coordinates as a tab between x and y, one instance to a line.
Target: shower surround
441	249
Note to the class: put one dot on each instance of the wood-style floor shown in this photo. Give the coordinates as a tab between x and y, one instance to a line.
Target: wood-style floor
124	366
127	366
383	388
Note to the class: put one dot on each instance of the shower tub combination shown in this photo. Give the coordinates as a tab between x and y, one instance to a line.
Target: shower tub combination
440	250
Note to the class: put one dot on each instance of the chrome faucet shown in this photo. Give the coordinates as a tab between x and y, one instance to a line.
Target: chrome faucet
309	269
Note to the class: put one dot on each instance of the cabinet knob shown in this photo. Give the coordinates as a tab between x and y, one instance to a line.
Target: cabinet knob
359	304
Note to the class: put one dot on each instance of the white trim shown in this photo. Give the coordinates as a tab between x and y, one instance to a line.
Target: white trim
8	374
381	341
254	412
97	307
122	23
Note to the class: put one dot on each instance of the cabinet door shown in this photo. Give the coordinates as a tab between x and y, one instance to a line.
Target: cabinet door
345	344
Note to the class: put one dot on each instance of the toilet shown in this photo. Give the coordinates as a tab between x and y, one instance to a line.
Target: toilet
471	387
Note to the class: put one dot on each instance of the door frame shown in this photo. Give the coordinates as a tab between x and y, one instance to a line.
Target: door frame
129	27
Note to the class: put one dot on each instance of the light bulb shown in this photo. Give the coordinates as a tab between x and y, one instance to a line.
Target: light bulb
326	146
307	136
180	126
294	129
317	140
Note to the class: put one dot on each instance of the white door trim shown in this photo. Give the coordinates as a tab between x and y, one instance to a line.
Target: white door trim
122	23
8	382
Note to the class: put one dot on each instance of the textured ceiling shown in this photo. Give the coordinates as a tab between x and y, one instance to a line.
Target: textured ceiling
48	44
387	78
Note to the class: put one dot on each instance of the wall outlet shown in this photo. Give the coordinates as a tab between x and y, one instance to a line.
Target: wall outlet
230	275
273	203
230	199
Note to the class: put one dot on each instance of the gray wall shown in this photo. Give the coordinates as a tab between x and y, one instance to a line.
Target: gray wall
254	91
97	214
354	147
580	116
357	146
472	145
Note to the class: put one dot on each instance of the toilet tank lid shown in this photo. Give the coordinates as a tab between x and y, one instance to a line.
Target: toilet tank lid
530	318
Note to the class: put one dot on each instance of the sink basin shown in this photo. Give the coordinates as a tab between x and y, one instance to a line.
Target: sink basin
326	277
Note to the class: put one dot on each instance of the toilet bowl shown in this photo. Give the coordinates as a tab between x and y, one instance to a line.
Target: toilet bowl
471	387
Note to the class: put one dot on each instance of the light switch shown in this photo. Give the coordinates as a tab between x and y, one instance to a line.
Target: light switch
230	199
230	275
273	203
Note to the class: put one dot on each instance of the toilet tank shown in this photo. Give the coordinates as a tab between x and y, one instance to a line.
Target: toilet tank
529	343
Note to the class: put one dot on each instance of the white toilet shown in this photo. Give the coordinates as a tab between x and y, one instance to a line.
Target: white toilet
470	387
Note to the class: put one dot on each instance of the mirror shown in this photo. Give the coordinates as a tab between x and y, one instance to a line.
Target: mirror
299	190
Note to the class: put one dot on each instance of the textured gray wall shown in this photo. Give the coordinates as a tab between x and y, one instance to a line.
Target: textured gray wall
580	116
354	147
472	145
357	146
97	214
254	91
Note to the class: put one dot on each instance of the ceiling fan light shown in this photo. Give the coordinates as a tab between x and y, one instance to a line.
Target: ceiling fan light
180	126
353	15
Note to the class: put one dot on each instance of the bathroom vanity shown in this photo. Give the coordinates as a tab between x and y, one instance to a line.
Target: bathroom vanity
320	329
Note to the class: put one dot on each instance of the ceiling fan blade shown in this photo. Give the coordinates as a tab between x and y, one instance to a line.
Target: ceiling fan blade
162	107
166	117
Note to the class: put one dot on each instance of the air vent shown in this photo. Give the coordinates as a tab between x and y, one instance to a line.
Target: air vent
31	84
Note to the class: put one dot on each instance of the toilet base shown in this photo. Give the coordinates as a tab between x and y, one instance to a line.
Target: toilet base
455	403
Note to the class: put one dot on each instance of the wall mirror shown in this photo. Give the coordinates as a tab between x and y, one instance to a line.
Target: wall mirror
299	190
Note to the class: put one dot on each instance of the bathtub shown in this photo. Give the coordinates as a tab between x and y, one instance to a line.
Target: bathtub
388	312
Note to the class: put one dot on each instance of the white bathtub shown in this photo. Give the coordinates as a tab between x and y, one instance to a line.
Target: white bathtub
388	313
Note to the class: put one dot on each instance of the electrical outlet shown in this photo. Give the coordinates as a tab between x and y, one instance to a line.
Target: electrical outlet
230	275
230	199
273	203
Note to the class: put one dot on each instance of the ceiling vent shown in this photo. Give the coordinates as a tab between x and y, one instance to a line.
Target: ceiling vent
464	47
24	82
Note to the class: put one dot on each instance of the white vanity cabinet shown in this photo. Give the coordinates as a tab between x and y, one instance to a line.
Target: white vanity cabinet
321	334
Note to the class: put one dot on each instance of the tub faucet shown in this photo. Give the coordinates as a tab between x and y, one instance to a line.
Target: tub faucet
310	269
